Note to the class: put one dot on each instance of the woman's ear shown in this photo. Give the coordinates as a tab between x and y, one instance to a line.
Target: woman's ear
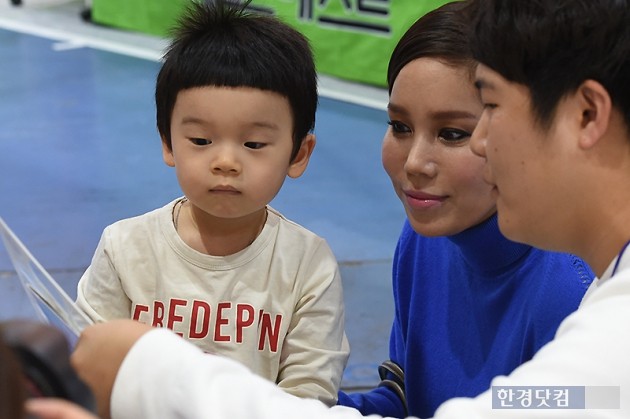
299	163
596	106
167	154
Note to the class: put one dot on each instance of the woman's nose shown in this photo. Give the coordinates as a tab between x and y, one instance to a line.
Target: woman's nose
421	159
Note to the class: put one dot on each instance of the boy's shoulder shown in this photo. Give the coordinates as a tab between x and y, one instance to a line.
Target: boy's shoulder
276	217
287	226
151	220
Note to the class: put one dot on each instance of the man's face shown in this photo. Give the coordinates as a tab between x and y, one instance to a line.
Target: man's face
528	166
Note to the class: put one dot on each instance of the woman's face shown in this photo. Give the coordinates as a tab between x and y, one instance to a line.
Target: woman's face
433	109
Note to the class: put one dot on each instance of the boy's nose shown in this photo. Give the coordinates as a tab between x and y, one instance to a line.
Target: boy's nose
226	161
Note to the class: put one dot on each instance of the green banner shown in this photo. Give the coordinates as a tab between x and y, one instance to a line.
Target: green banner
351	39
154	17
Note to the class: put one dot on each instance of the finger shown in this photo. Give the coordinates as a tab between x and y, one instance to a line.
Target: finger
49	408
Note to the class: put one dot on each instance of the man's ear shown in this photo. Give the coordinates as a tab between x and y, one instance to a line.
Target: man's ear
299	163
167	154
596	106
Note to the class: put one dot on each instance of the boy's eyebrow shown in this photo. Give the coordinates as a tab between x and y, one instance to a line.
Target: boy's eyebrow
200	121
192	120
265	124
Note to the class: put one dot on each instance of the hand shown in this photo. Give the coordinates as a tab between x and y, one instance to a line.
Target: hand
49	408
99	353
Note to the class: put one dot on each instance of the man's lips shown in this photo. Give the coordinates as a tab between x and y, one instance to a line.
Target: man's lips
488	178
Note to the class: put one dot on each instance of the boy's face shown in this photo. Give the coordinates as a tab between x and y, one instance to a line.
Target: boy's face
433	110
231	148
528	167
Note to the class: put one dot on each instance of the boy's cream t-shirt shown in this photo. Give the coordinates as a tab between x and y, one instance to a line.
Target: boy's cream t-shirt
276	306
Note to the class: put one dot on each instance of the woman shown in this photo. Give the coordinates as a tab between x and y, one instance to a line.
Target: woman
469	304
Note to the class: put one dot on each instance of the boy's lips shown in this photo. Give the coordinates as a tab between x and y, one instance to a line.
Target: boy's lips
224	189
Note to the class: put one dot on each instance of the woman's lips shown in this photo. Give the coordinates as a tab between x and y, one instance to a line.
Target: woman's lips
421	200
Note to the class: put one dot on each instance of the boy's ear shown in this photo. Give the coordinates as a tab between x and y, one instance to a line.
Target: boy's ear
167	154
299	163
596	107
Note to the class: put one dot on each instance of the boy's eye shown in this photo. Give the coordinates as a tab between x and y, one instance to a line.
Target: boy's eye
254	145
452	135
200	141
398	127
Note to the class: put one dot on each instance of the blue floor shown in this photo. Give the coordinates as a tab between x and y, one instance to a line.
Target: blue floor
79	150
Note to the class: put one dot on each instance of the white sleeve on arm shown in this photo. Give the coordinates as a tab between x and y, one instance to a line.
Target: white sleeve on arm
165	377
591	350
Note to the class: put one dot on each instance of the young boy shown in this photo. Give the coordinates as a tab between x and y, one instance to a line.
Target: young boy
236	98
555	82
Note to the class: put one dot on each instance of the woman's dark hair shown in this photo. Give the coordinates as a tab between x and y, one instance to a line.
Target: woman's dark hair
442	34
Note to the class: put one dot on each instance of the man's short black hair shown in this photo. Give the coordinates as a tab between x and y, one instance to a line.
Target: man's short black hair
552	46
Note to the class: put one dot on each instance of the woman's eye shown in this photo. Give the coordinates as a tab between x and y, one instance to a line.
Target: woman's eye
398	127
453	135
200	141
254	145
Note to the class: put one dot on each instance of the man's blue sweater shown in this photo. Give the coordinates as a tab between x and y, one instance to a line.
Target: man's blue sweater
469	307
